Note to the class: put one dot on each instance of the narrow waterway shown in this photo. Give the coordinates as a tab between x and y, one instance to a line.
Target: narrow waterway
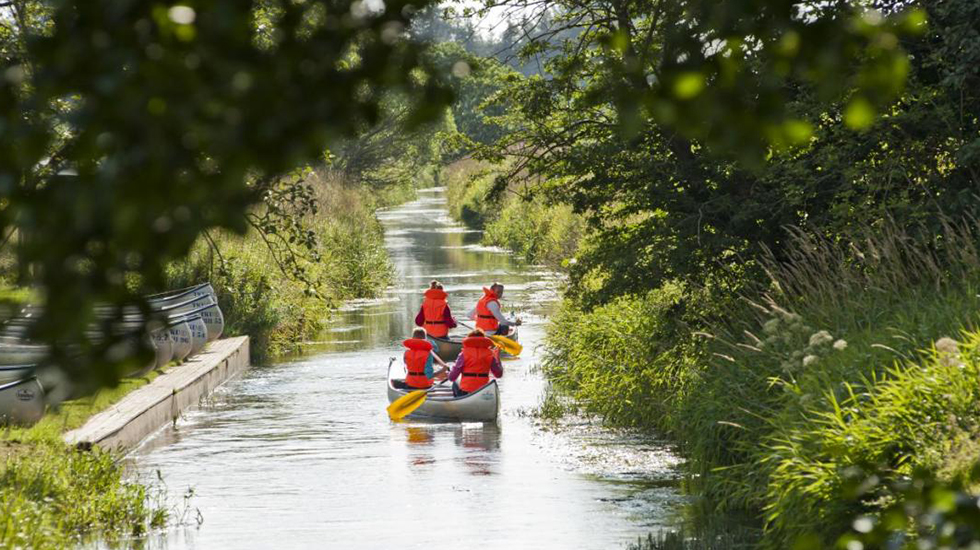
302	455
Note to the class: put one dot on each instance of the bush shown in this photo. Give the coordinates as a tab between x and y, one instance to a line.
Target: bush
51	494
276	310
467	183
538	232
841	361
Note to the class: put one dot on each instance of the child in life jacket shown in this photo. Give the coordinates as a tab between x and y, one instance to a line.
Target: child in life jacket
419	359
475	363
434	314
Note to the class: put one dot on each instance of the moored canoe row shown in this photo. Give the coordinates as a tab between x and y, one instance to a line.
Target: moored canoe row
191	318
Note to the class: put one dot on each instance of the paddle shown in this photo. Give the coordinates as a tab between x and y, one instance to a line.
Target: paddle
502	342
406	404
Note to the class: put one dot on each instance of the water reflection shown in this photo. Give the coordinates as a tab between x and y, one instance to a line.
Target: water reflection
479	443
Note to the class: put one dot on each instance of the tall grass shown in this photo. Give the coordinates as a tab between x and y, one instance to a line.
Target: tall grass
855	352
280	312
534	228
52	495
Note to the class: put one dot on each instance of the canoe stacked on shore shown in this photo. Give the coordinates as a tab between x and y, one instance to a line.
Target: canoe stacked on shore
191	318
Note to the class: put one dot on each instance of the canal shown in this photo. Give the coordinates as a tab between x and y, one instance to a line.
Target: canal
301	454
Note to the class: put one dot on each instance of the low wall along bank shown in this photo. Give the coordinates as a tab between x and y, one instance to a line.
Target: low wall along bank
123	425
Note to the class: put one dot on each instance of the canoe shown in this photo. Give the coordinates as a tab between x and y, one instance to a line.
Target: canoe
13	373
479	406
448	349
180	339
21	401
163	347
195	290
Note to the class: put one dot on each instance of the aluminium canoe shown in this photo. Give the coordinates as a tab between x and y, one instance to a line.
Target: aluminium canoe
13	373
482	405
21	401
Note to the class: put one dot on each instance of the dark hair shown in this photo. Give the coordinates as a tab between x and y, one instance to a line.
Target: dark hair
477	332
434	284
439	286
419	333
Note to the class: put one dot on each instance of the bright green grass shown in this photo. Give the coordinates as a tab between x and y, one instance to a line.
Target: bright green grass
834	366
52	494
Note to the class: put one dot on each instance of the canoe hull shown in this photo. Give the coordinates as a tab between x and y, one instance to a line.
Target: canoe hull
21	402
482	405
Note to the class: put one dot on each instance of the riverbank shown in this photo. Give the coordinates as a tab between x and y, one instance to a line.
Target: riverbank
784	382
281	301
51	493
536	230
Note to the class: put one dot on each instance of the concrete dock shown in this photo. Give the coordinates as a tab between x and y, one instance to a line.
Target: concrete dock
142	412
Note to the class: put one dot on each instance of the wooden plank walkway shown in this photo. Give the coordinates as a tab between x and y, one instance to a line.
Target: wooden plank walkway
140	413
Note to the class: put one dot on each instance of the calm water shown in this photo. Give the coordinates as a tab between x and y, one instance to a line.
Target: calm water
302	455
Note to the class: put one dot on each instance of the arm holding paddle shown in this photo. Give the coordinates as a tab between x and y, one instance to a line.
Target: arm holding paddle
502	342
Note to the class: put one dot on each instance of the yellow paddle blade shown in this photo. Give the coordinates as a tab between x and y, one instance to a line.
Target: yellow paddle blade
404	405
507	344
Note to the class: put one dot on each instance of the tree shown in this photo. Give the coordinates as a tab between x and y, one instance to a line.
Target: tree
173	119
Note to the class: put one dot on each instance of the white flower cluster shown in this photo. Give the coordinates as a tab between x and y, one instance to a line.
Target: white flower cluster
949	351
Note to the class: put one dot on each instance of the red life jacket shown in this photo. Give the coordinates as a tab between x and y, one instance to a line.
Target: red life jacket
477	357
434	311
484	317
415	360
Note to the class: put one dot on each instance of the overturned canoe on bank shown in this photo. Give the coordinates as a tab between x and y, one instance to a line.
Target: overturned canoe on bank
21	401
479	406
448	349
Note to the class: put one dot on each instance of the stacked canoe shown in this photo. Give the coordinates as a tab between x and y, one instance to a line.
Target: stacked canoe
191	318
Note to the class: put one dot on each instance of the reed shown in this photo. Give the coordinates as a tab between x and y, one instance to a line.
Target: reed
852	351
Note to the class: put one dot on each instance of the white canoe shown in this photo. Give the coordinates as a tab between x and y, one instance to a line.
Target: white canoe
479	406
21	401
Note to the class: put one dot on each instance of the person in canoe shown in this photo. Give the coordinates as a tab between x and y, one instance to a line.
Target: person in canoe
434	315
475	364
487	312
419	359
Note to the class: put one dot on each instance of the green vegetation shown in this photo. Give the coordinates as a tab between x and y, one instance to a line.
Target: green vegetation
536	230
846	360
279	308
52	495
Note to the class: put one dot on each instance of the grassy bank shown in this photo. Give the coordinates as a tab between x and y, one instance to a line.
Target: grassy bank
861	359
533	227
281	310
52	495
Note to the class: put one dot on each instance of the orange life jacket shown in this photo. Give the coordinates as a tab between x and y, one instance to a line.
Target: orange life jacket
477	357
415	359
434	311
484	317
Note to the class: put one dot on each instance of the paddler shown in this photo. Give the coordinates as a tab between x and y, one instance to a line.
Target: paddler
434	315
487	312
475	364
419	359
